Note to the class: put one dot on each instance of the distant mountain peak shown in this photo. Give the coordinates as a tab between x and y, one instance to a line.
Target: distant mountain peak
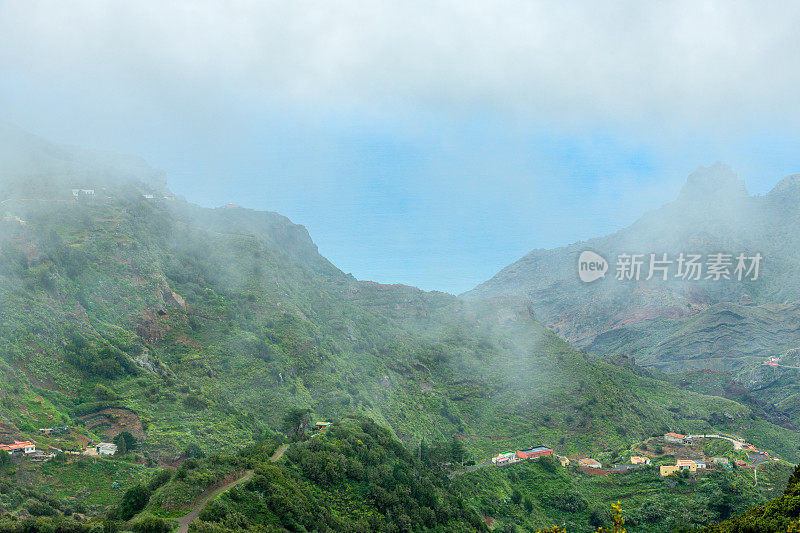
715	182
790	185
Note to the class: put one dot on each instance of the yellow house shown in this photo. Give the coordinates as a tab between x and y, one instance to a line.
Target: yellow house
680	464
667	470
564	461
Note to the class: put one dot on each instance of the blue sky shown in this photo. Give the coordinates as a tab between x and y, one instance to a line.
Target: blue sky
422	143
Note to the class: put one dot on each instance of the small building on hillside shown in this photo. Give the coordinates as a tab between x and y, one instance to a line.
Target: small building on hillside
588	462
320	426
53	431
106	448
504	458
682	464
666	470
19	447
677	438
533	453
686	464
638	460
563	460
739	462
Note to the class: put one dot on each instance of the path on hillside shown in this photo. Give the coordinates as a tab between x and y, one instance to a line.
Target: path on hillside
188	518
278	453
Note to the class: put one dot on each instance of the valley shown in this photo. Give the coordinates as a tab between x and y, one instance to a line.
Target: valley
199	341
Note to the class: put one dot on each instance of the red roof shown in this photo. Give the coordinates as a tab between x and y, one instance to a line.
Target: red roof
675	435
18	445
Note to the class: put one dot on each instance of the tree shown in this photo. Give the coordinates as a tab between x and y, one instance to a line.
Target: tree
125	442
134	500
458	451
5	458
153	524
528	505
193	451
101	392
297	420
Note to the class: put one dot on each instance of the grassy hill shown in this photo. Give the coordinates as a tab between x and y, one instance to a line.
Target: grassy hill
356	476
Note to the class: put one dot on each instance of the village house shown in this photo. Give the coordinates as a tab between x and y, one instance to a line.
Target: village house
504	458
533	453
82	192
677	438
637	460
686	464
53	431
740	463
588	462
564	460
666	470
320	426
682	464
106	448
19	447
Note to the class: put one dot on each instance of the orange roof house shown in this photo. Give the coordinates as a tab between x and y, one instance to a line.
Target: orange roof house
19	447
677	438
536	451
590	463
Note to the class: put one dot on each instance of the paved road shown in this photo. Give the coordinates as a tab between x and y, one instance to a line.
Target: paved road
191	516
737	444
475	467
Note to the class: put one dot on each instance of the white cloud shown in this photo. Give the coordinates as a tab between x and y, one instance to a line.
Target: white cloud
713	62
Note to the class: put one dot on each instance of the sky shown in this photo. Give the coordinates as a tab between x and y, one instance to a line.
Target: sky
427	143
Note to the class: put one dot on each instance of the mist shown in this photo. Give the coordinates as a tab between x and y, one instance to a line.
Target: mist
430	146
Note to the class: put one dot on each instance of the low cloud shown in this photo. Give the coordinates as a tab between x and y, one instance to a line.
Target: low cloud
673	62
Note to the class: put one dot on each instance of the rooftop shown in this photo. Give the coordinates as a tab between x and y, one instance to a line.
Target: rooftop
536	449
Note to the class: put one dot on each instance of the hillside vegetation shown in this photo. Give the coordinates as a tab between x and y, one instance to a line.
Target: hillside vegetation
209	325
677	325
196	331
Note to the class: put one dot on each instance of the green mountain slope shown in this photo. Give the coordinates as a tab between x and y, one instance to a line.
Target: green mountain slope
781	514
186	325
677	325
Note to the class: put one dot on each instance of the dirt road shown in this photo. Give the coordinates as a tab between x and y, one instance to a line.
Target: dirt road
191	516
278	453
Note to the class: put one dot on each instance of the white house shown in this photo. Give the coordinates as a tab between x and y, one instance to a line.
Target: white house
18	447
106	448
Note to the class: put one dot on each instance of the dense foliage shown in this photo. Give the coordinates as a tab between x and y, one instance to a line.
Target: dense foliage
780	514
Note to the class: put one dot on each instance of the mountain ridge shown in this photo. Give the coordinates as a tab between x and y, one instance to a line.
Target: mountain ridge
210	324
